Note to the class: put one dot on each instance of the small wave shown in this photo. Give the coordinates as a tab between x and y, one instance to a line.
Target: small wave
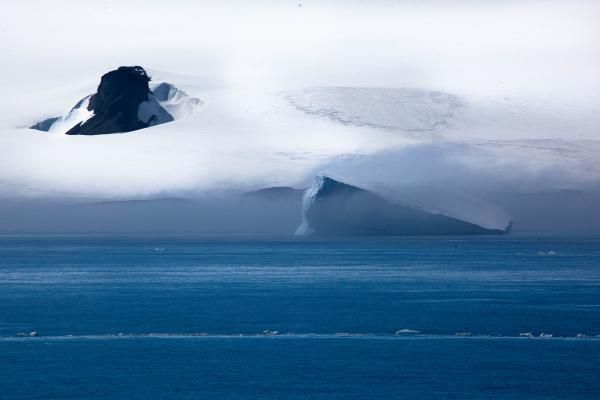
401	334
407	332
27	334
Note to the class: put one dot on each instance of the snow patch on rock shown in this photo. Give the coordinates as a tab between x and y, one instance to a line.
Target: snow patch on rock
175	101
78	114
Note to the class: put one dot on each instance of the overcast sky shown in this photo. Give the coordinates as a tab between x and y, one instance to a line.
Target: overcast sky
537	48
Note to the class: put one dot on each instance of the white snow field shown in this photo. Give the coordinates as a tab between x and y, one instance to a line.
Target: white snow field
515	133
407	110
438	150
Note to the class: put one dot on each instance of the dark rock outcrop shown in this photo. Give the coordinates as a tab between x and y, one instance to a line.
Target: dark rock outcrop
336	208
116	104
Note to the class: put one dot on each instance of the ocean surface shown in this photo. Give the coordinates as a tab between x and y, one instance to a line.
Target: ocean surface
92	317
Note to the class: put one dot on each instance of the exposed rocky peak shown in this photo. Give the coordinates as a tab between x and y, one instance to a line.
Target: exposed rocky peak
123	102
116	103
121	90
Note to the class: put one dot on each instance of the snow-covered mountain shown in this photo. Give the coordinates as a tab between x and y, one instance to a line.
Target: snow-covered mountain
122	103
443	152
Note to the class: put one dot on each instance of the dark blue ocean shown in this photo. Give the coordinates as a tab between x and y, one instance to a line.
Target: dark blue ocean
511	317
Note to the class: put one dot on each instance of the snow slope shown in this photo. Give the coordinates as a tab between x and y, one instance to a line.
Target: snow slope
78	114
449	116
538	135
408	110
174	100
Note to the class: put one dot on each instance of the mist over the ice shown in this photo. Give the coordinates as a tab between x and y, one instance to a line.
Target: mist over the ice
447	105
546	48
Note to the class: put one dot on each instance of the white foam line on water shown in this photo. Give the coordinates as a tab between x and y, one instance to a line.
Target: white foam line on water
276	335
